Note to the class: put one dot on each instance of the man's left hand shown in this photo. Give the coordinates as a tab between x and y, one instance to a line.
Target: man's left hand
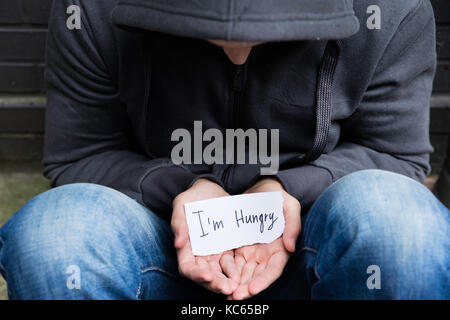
261	264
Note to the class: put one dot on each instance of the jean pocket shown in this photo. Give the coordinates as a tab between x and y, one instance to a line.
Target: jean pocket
160	284
309	264
157	283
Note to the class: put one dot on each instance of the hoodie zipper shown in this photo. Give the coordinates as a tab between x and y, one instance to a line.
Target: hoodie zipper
235	116
238	82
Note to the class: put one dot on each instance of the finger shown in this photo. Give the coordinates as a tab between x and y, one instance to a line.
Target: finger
220	283
292	227
230	269
242	291
214	280
196	273
247	271
206	273
260	268
215	266
179	226
184	254
245	292
240	263
196	269
272	272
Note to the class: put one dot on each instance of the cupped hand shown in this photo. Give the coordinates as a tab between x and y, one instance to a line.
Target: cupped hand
260	265
218	272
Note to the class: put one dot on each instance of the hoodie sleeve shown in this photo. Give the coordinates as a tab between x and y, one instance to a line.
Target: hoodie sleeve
390	128
87	133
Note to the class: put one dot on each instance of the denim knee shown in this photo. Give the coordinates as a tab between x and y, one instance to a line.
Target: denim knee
86	225
381	202
375	217
71	213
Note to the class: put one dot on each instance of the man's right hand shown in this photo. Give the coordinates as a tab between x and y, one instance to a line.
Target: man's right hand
218	272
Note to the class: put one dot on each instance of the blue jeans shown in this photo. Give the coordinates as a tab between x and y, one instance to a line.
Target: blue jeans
371	235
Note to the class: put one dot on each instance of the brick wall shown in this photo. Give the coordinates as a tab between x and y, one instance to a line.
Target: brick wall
23	25
440	112
22	100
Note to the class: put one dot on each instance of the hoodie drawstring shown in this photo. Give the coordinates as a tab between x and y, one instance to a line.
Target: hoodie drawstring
323	105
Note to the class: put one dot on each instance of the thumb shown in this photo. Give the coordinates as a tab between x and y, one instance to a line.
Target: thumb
179	227
291	209
180	238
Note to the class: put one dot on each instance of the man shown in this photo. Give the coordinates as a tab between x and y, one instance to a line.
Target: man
352	111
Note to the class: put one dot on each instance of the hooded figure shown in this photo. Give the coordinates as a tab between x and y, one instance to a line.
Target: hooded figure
339	92
137	70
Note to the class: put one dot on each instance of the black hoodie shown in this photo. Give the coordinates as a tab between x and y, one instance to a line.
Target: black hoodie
139	69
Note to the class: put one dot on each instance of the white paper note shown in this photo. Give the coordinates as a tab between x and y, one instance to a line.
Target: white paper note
225	223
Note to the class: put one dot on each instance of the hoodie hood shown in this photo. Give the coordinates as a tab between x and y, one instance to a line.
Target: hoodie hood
241	20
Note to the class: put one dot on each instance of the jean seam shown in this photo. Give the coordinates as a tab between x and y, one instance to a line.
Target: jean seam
151	268
306	248
138	292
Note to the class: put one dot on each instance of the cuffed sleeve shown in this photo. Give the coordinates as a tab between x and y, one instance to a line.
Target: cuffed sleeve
305	183
159	186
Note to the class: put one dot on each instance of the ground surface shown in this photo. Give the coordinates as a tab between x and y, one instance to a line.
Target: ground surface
20	182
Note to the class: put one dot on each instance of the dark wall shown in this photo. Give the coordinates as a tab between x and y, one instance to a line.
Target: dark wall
442	12
22	45
22	48
440	111
23	25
